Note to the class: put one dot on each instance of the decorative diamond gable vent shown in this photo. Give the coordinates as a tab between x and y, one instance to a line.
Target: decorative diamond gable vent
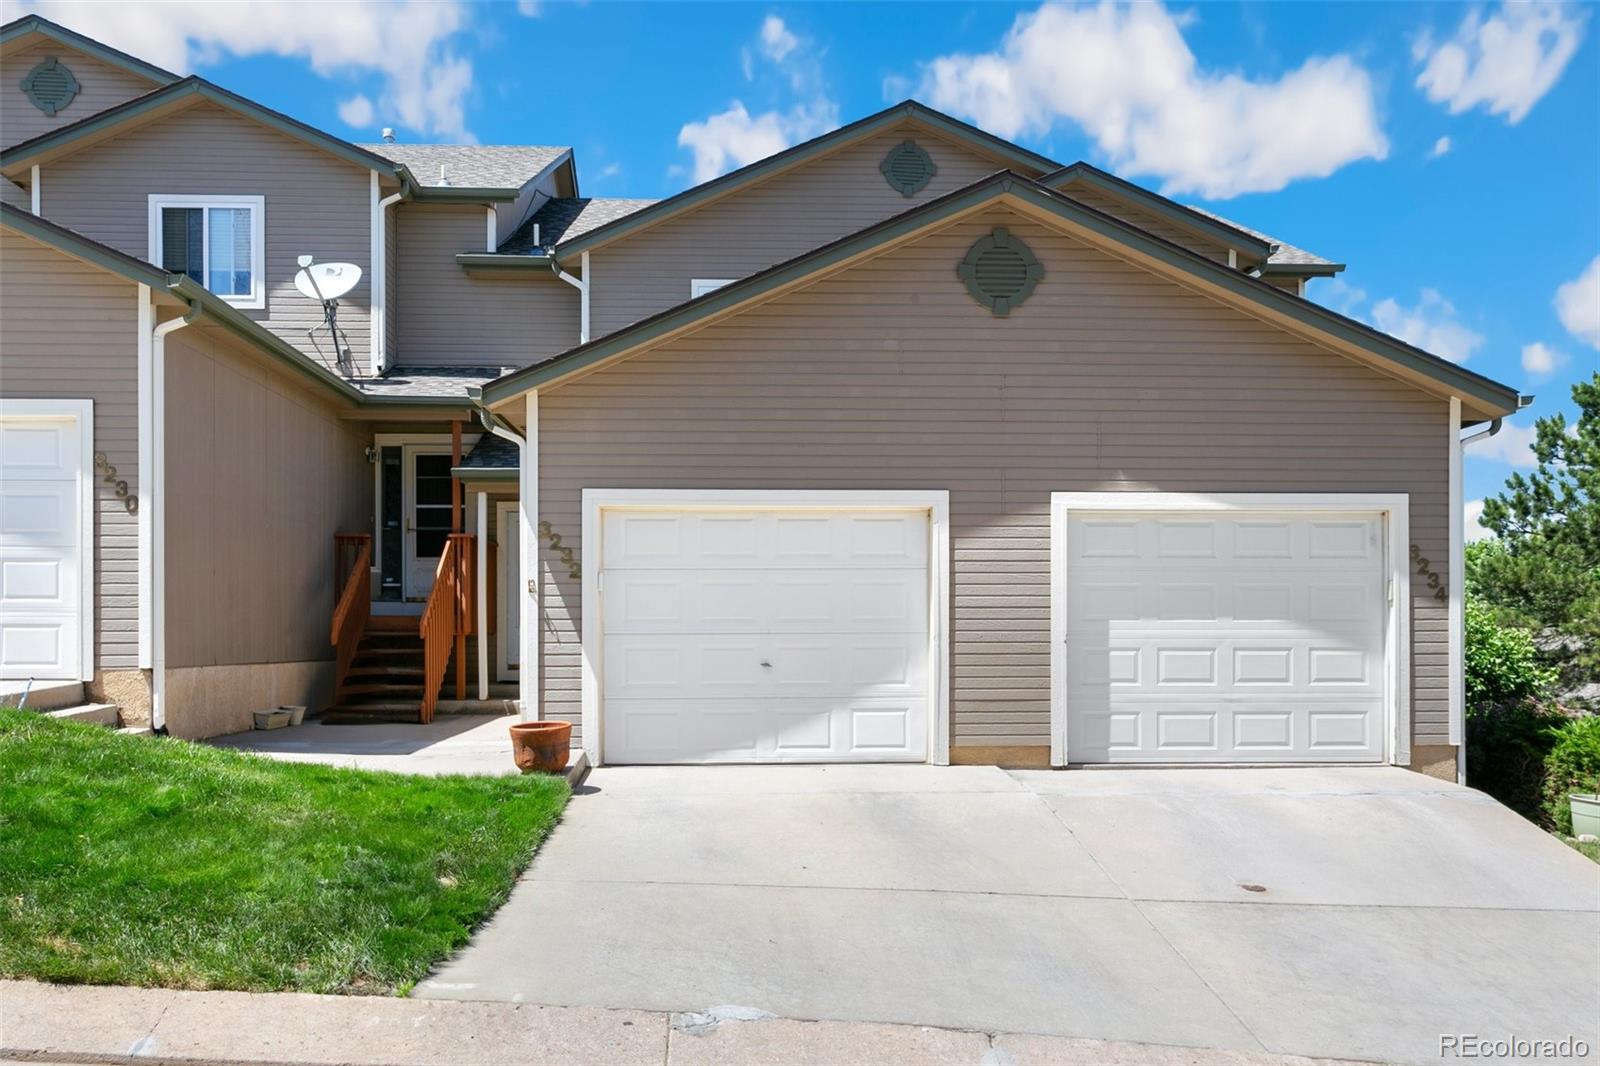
1000	271
908	168
50	86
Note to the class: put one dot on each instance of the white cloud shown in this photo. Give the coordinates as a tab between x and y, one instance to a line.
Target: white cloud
1431	325
1540	359
1126	76
611	170
357	111
529	8
734	137
1440	147
776	40
1503	63
1513	445
405	42
1472	522
1578	304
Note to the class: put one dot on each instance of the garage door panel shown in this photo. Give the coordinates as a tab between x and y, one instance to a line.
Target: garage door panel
41	557
1223	638
733	636
763	541
697	666
741	601
39	449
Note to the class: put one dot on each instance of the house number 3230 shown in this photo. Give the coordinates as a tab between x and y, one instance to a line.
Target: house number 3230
108	474
1425	568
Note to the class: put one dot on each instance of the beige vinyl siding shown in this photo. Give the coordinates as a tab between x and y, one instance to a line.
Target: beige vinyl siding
1152	223
316	205
100	86
15	195
70	331
260	475
889	376
448	318
767	223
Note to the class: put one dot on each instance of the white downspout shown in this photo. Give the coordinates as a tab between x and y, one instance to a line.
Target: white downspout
380	275
146	392
582	285
157	503
483	595
34	196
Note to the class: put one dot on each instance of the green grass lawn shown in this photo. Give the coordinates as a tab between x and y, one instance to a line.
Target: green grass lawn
1590	851
141	861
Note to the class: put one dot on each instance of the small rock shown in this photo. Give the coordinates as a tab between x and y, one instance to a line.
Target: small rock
1588	838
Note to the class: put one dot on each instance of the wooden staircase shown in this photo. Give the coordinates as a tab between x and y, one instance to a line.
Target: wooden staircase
391	668
385	678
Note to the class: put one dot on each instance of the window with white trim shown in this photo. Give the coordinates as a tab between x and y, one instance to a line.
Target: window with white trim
698	287
216	240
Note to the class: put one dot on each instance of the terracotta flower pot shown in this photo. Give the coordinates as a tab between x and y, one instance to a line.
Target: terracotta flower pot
541	746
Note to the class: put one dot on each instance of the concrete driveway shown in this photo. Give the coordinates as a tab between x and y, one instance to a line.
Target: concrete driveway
1355	913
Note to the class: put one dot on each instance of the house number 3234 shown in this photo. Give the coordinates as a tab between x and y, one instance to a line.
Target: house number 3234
1425	568
108	474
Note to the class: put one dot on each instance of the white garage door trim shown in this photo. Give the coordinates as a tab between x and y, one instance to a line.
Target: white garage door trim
935	503
1394	507
82	412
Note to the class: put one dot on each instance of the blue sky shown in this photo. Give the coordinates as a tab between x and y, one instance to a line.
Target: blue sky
1449	154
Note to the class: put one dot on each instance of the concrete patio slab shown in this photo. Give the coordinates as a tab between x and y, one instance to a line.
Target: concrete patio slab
450	744
653	781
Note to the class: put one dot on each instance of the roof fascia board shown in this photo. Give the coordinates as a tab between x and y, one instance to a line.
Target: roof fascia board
57	141
1168	209
461	194
88	45
485	473
832	141
1307	270
1245	289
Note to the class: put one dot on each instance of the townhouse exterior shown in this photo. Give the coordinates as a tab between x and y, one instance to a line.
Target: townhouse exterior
905	444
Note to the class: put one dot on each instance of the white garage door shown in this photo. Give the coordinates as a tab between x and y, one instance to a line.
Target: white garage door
764	636
40	550
1225	638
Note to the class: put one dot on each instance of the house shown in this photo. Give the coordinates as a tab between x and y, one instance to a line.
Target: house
904	444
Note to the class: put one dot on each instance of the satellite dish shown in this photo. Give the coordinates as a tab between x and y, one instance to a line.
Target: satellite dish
326	281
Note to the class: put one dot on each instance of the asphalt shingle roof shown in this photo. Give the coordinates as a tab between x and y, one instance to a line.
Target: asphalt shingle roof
1283	254
471	166
566	218
491	453
408	382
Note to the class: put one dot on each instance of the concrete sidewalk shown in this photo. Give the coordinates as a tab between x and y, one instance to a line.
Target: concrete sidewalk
82	1024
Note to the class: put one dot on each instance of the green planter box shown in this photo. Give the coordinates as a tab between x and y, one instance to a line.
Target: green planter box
1585	815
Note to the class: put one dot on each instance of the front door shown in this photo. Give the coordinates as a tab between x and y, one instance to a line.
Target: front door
509	627
427	514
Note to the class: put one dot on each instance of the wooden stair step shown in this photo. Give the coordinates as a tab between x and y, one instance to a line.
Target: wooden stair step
346	714
377	688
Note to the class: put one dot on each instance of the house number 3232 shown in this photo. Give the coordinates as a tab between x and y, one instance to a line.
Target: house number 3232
1425	568
108	474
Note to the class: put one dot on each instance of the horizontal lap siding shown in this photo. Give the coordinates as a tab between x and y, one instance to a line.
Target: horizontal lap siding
70	331
316	205
888	376
768	223
100	86
448	318
260	476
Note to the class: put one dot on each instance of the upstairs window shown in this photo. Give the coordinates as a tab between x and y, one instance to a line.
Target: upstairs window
216	240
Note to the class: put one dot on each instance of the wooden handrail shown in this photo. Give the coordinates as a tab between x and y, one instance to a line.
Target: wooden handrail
354	603
447	619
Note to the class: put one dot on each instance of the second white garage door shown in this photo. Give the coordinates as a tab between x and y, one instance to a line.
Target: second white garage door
1225	638
764	636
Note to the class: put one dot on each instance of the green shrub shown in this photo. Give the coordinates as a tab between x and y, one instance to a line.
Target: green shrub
1573	765
1502	665
1507	745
